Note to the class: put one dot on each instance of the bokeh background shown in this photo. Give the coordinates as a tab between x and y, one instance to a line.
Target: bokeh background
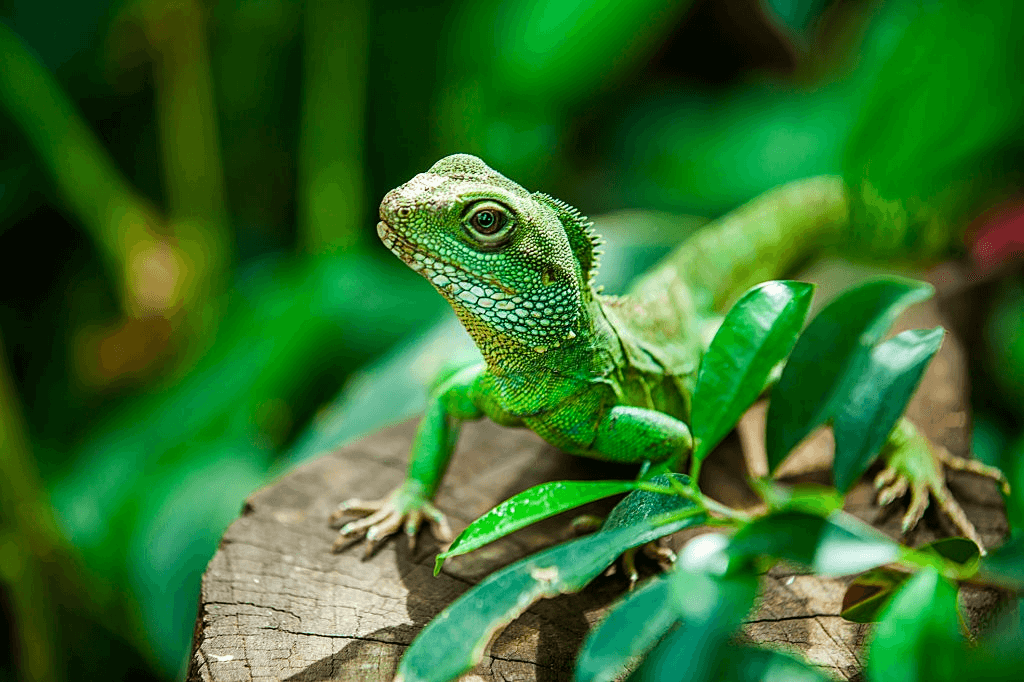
192	297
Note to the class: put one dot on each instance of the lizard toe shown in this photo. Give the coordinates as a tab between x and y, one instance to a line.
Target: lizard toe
439	525
354	527
895	490
629	566
951	508
657	551
353	507
381	531
975	467
918	504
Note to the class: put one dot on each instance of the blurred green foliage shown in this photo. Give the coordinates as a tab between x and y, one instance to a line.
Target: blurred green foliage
187	202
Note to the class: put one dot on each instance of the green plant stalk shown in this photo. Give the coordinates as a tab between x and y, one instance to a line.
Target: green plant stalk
123	225
29	543
189	140
331	146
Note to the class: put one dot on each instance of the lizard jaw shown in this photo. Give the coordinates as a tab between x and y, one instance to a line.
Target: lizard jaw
398	246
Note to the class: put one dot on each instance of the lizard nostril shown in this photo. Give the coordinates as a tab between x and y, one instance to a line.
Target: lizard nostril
403	211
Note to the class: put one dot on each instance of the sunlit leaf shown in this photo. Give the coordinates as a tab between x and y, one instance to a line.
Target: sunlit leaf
747	664
711	608
871	408
869	593
758	332
529	506
455	640
917	636
634	625
829	355
835	545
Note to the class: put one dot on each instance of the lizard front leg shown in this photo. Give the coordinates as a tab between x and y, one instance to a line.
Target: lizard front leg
640	435
915	465
453	402
657	440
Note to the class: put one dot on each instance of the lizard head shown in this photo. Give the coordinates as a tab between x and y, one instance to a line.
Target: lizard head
512	263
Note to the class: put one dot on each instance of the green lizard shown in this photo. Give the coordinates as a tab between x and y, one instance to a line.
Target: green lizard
599	376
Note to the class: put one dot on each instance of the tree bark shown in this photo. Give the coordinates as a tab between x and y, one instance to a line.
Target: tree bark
276	603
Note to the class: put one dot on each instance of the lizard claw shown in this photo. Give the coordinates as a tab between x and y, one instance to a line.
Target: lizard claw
655	550
915	465
663	555
384	518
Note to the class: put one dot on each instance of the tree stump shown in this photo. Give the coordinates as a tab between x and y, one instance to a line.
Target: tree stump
277	604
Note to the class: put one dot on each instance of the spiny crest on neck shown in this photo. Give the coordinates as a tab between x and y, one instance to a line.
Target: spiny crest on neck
583	240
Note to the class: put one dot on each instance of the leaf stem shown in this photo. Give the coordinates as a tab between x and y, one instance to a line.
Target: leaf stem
694	494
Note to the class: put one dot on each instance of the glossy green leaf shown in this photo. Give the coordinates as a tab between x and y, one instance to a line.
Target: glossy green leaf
960	551
711	608
757	333
747	664
869	593
529	506
829	355
1005	565
454	641
882	390
632	627
917	637
838	544
644	504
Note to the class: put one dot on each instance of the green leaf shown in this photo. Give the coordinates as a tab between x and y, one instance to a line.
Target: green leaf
829	355
757	333
747	664
838	544
529	506
711	608
869	593
917	637
1005	565
960	551
643	504
454	641
632	627
868	413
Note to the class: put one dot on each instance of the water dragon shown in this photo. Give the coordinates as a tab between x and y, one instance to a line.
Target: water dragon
600	376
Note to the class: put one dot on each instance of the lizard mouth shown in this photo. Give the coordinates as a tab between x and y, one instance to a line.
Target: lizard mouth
399	246
440	274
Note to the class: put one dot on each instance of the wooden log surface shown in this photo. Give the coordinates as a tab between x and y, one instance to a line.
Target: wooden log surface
277	604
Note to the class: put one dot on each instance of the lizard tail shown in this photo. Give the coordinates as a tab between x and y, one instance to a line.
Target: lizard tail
772	235
761	240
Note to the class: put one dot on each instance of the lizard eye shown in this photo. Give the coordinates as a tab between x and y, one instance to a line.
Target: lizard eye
489	223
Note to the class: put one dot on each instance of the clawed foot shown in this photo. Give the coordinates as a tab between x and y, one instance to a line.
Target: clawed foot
655	550
917	466
382	519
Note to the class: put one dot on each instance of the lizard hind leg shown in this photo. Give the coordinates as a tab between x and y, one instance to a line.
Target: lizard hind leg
917	466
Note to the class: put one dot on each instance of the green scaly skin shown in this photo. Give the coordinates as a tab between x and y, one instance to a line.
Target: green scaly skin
597	376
